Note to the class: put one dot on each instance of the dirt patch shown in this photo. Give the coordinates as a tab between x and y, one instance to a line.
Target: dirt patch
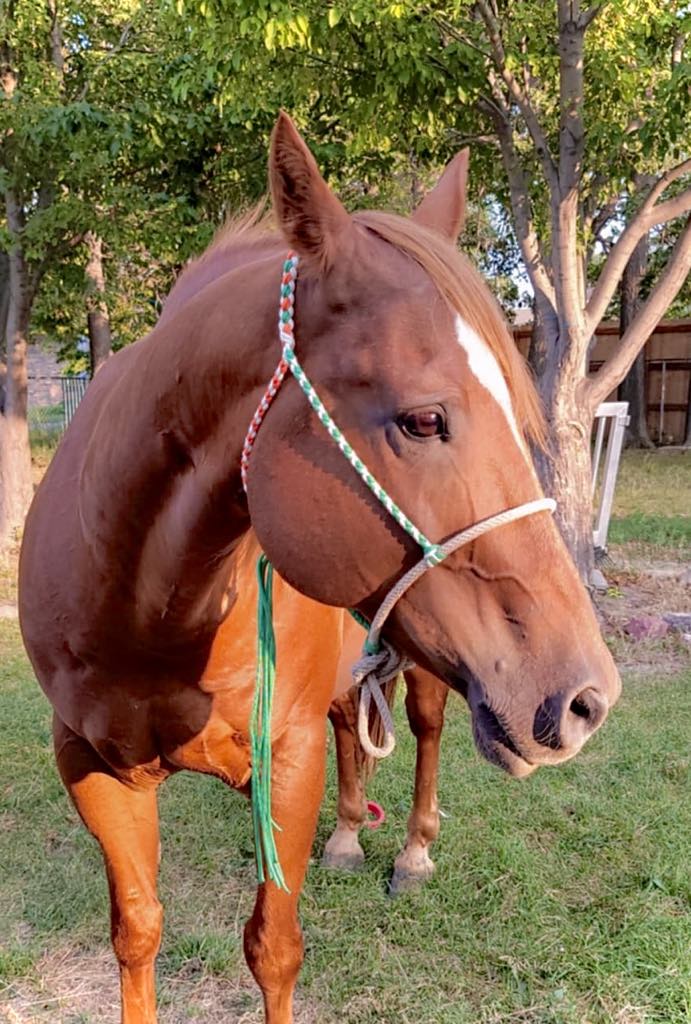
76	986
645	587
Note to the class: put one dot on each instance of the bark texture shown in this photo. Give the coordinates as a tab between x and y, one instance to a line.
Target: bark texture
98	321
16	488
4	307
565	474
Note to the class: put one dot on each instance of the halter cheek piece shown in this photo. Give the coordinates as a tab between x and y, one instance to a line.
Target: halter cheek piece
379	661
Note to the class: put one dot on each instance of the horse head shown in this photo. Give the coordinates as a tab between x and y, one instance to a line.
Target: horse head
413	359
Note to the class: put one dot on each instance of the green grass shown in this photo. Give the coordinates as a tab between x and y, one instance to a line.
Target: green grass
8	578
652	503
654	483
659	530
46	425
564	899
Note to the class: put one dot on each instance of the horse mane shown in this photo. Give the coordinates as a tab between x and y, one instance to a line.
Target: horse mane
463	287
451	271
249	230
246	227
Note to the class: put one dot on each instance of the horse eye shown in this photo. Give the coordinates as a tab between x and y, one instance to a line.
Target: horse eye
423	423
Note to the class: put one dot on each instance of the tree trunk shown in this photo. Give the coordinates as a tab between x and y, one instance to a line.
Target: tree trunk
633	388
4	307
98	321
564	467
565	471
539	349
16	487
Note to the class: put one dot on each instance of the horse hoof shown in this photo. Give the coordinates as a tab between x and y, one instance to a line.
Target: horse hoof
352	861
407	881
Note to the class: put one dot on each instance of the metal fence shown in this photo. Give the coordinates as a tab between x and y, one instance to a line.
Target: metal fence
52	404
73	390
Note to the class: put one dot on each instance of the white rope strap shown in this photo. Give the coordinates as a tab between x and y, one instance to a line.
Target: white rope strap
379	661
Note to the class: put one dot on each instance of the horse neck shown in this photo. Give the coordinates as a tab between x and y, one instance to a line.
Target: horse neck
220	259
170	483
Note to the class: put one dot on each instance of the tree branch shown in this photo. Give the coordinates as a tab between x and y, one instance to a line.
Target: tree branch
517	94
666	179
678	47
113	51
568	267
445	26
520	204
8	73
57	51
592	12
461	140
663	294
675	207
647	217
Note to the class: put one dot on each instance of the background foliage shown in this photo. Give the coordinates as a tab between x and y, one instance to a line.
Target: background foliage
159	121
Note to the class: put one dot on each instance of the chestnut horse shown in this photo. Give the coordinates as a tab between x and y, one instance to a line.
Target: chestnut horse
137	598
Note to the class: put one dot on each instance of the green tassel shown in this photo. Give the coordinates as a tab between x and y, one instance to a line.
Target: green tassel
266	854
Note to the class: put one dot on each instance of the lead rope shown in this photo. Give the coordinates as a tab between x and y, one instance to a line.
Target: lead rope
379	662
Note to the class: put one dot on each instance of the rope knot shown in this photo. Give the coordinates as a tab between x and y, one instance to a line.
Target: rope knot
434	555
370	673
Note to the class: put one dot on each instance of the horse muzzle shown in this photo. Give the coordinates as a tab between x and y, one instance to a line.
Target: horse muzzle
561	725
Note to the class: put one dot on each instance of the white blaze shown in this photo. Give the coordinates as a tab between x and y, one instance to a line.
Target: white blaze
485	367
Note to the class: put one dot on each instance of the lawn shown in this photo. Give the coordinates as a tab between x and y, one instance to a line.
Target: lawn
652	503
564	899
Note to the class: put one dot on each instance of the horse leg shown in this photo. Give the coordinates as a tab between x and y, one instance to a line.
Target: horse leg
343	848
273	937
124	820
425	701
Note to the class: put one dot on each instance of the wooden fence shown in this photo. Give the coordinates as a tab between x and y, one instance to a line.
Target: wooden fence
668	375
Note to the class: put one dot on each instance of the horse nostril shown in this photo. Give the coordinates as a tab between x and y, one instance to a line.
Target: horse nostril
580	708
563	722
590	706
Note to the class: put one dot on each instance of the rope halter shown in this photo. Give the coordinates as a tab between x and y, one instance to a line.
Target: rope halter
379	661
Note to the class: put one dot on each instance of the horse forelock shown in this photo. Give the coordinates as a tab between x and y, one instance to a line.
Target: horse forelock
466	292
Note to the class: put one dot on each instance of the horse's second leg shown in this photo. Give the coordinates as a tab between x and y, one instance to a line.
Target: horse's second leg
343	849
425	701
124	820
273	938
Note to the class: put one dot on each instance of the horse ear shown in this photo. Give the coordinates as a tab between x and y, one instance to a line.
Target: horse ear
309	215
443	209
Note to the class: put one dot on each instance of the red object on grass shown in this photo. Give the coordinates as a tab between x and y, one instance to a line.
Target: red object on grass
378	815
